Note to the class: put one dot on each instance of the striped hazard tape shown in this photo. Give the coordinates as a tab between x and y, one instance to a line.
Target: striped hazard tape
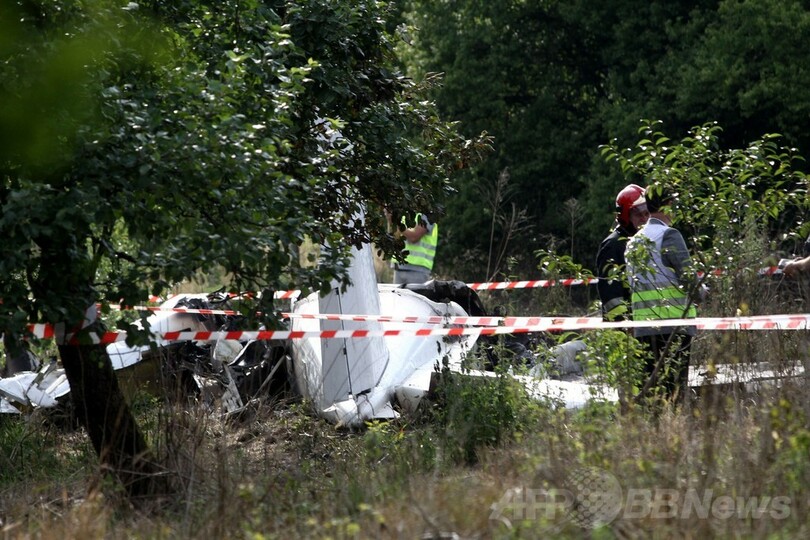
756	322
542	283
195	311
42	331
505	285
570	282
508	285
552	324
433	319
539	324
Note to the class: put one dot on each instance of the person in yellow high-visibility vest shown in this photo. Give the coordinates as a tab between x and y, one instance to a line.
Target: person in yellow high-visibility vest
421	241
664	286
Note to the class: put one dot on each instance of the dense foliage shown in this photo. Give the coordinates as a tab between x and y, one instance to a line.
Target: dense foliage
554	80
151	140
724	197
145	142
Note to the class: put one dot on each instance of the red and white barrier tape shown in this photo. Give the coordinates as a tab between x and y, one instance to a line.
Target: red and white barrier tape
194	311
432	319
757	322
568	282
506	285
281	295
571	322
540	283
770	271
42	331
541	324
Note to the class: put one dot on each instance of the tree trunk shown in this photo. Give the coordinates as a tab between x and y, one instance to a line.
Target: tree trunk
102	410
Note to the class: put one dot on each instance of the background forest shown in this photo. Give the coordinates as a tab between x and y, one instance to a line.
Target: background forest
551	81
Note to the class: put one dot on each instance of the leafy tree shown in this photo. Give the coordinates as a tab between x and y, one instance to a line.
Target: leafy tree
738	64
545	79
744	70
154	140
725	197
553	80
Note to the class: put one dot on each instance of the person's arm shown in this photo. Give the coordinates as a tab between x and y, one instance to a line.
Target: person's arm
415	233
611	287
794	267
675	253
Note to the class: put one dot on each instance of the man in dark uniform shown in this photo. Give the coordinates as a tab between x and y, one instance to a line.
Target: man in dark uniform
614	291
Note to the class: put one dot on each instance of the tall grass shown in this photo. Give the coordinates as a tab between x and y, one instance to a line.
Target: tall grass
477	462
284	472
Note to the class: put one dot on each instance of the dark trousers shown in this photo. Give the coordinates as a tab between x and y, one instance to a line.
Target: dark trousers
671	379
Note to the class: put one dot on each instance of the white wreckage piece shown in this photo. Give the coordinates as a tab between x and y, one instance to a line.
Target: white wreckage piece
48	386
29	389
160	322
209	364
351	381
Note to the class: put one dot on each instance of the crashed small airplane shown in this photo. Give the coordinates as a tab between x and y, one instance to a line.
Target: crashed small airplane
348	380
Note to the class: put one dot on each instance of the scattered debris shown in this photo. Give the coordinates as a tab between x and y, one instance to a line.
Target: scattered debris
361	379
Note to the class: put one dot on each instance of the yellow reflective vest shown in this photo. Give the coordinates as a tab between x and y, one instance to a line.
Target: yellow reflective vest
657	292
423	252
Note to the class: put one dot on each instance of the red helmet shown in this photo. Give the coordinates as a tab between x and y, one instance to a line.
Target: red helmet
628	198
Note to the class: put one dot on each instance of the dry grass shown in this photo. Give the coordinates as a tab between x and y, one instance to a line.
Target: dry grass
280	472
283	473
